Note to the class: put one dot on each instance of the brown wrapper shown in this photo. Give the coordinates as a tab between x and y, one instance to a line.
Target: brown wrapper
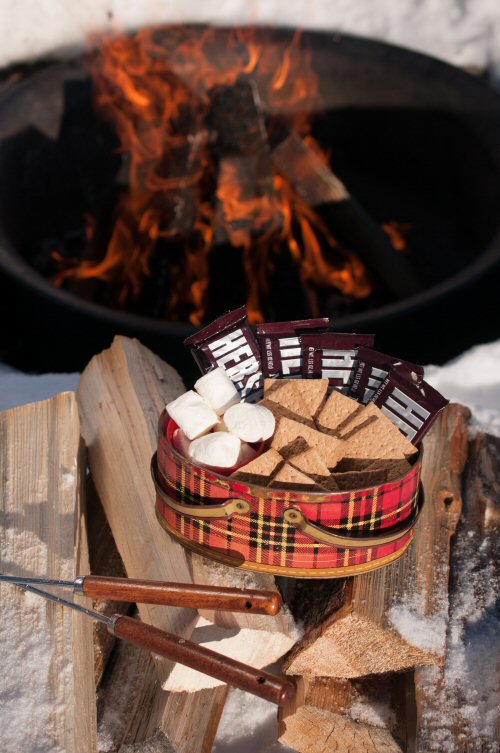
333	356
411	407
373	368
280	347
230	343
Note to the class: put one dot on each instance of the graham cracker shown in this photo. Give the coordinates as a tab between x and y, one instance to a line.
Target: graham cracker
366	415
330	484
311	462
397	469
378	440
290	478
337	410
260	470
279	411
359	464
301	396
360	479
329	448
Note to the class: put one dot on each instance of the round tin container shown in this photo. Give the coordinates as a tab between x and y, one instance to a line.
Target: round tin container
303	535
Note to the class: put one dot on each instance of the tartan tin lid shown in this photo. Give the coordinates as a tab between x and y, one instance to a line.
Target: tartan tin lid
301	534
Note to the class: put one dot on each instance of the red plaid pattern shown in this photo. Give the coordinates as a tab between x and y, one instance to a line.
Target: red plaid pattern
261	538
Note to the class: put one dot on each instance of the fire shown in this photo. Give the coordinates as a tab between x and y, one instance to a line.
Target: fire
185	191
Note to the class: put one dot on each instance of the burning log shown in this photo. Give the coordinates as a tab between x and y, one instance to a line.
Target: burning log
344	217
49	666
366	636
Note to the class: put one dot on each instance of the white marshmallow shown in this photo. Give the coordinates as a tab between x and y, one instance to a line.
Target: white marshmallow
251	423
218	449
218	390
192	414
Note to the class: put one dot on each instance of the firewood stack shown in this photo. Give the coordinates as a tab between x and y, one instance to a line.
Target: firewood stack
372	655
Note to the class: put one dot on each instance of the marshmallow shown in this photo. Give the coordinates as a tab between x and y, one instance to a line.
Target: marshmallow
251	423
218	390
192	414
218	449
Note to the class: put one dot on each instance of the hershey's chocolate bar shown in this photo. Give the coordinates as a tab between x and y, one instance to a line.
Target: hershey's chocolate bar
412	407
280	347
373	368
230	343
333	356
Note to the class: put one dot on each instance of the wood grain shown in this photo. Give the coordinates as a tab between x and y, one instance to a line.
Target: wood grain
43	534
359	639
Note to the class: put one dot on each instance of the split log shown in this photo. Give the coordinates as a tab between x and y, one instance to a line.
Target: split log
373	632
48	695
458	704
372	711
121	395
345	218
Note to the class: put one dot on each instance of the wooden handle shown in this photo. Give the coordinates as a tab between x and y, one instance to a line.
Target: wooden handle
204	660
181	594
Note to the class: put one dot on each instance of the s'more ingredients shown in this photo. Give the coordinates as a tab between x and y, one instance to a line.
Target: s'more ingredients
261	470
411	407
229	342
218	390
333	356
306	459
328	447
337	411
373	368
304	397
279	411
378	440
251	423
194	416
289	478
366	415
247	454
218	449
280	347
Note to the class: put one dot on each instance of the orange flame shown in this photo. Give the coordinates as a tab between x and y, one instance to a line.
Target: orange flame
155	89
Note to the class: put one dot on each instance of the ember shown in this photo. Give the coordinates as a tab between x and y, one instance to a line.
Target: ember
198	114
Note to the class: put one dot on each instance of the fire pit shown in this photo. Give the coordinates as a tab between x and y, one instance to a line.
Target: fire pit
203	204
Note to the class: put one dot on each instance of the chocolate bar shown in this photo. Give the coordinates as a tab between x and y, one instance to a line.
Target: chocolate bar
333	356
412	407
373	368
229	342
280	347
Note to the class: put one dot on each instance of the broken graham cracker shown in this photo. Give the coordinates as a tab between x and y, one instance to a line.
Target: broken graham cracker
359	479
280	411
378	440
304	397
309	461
260	470
337	410
289	478
329	448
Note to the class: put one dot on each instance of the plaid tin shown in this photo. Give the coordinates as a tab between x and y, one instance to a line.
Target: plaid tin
250	526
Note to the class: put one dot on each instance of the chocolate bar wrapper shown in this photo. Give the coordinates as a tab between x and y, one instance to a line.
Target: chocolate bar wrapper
280	347
373	369
412	407
333	356
230	343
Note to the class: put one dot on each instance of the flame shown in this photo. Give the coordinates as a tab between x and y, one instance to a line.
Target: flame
155	89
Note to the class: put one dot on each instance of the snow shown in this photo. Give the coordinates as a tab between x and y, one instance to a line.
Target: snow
17	388
427	632
464	33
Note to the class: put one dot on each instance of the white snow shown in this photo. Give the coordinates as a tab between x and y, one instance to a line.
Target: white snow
464	33
17	388
473	379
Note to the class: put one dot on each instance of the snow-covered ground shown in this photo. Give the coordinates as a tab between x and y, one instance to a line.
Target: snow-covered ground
460	31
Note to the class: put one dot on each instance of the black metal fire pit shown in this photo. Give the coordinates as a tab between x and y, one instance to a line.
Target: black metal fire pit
409	133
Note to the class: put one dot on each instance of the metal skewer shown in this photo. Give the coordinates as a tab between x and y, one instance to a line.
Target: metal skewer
165	593
176	648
